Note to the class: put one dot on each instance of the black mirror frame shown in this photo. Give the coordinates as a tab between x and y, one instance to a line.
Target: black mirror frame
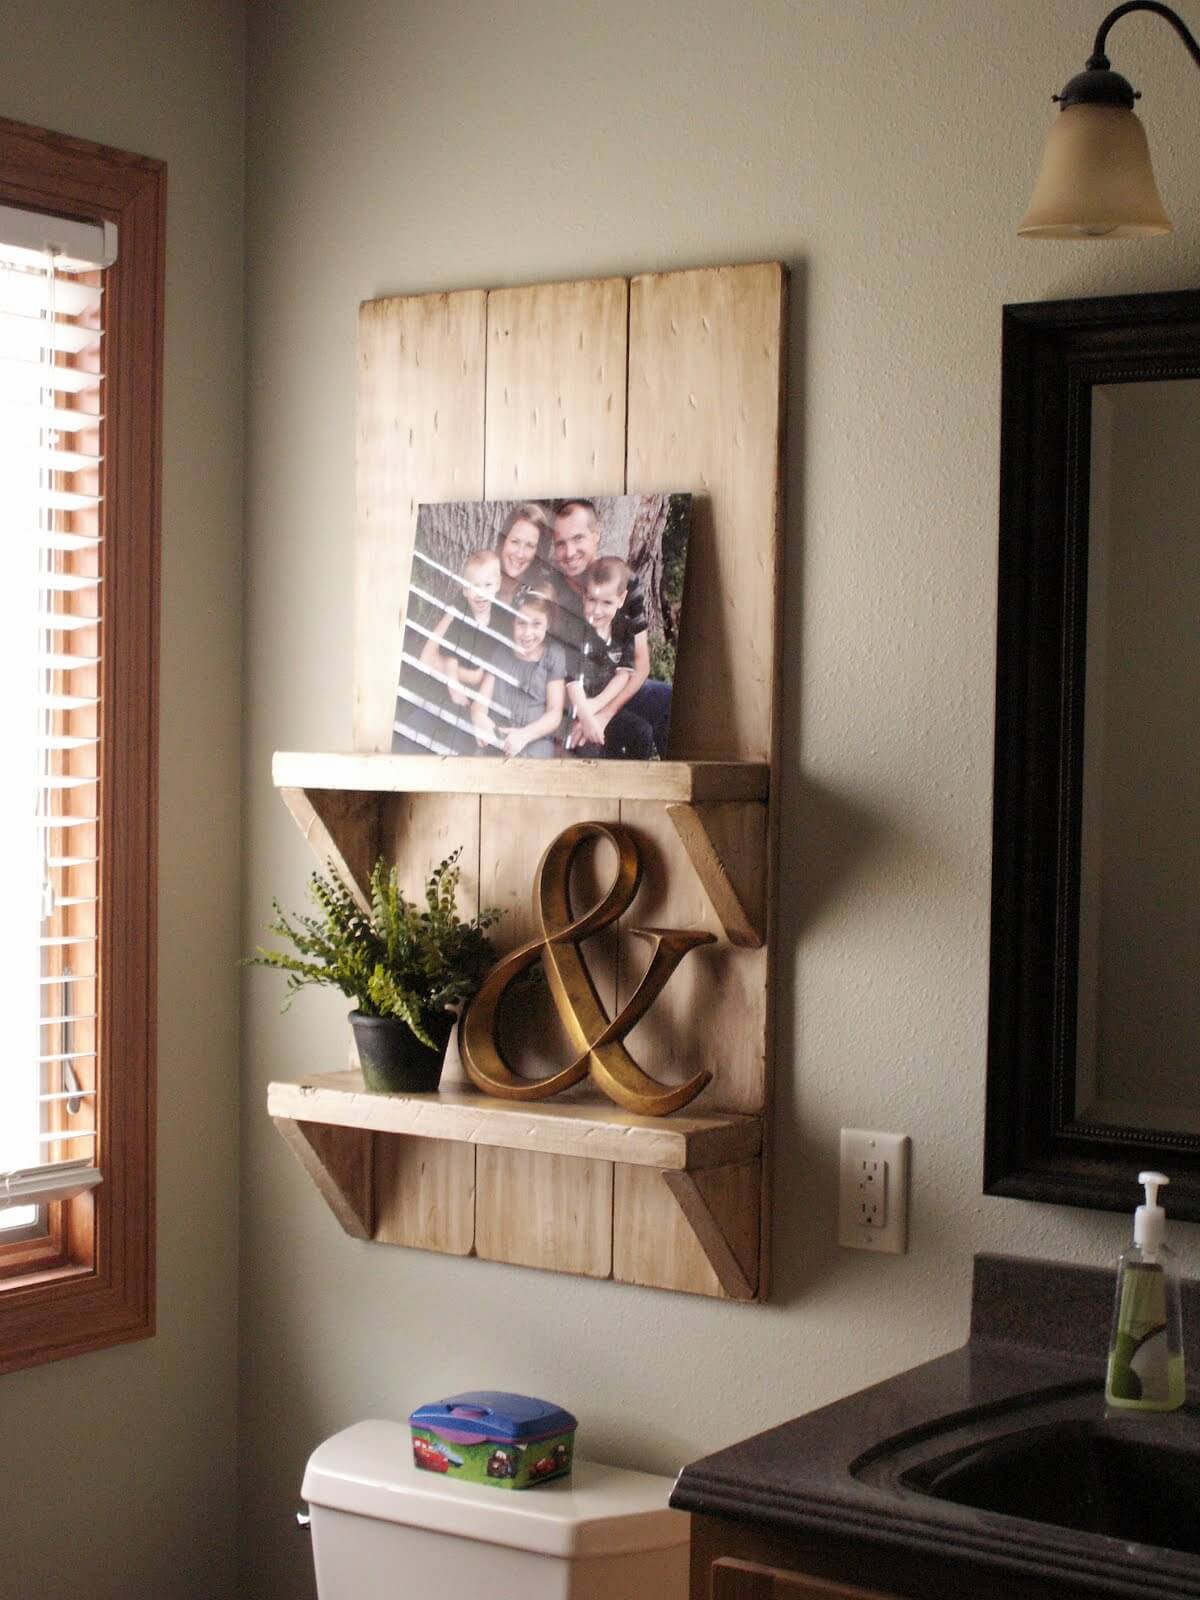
1035	1147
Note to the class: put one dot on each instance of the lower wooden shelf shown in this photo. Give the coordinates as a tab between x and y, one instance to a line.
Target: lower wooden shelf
594	1130
401	1169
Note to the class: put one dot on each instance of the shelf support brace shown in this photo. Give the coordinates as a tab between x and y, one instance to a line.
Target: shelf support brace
342	827
726	843
707	1218
339	1161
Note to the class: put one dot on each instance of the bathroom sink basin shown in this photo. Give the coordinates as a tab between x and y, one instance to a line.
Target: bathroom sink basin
996	1465
1101	1476
1056	1457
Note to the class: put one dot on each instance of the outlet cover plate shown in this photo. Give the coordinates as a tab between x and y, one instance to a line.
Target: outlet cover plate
873	1191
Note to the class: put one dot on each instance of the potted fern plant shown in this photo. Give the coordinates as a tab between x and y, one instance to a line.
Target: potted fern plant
406	967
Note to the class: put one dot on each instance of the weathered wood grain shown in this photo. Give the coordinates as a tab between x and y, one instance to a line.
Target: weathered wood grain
685	781
705	414
342	830
553	1212
727	846
556	389
555	424
664	1246
421	361
592	1129
424	1194
338	1160
523	392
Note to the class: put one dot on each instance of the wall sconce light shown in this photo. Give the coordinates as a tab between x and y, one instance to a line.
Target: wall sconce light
1096	181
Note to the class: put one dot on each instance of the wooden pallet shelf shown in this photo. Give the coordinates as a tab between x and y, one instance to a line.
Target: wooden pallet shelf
362	1149
668	383
592	1130
689	782
337	801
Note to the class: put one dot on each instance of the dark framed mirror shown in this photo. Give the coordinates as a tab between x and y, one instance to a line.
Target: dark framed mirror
1094	1010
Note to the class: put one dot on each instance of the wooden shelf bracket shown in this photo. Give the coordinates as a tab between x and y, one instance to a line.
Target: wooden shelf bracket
706	1206
726	844
342	829
339	1162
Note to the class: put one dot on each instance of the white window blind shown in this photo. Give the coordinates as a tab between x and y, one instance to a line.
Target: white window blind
51	633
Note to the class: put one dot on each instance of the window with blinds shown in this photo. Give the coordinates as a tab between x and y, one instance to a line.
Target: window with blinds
81	376
51	717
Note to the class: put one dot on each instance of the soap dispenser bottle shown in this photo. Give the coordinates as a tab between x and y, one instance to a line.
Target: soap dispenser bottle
1145	1355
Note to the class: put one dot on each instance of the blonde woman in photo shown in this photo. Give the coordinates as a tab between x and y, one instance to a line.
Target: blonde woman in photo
526	531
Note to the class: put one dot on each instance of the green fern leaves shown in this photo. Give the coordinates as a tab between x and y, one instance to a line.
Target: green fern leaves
396	960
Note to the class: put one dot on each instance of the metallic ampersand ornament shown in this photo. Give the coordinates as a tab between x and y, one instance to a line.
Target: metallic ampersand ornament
591	1032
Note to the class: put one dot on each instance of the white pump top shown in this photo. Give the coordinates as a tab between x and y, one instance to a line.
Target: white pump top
1150	1220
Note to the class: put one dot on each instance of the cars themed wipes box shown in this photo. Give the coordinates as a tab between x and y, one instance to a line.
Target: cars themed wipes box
511	1441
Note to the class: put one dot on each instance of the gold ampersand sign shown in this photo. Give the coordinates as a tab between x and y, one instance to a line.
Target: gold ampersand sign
588	1026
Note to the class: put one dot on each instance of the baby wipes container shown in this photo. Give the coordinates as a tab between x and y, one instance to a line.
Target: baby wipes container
383	1529
510	1441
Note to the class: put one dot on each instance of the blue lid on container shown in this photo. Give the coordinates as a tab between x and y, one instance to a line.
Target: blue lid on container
490	1414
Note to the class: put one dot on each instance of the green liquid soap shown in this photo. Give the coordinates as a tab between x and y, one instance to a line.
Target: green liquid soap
1175	1390
1145	1353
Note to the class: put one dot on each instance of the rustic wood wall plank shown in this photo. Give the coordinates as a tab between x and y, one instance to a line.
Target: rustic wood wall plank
342	830
556	389
705	414
421	378
425	1193
706	361
727	846
421	362
555	423
545	1211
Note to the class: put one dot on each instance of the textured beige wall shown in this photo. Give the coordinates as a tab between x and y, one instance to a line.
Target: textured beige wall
121	1476
407	147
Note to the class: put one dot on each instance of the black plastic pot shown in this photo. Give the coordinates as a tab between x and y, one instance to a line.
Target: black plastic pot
393	1059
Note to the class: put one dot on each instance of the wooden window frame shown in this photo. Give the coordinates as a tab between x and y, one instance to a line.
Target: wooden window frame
90	1282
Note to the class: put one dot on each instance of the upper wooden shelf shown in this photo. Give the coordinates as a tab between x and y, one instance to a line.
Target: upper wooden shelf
600	1132
688	782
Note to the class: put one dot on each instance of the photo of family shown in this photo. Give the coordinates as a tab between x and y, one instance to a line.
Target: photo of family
544	628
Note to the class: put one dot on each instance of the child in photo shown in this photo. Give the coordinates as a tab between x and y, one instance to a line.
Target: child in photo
468	643
444	666
606	663
520	704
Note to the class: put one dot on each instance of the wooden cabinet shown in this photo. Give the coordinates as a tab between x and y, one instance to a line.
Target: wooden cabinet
750	1560
747	1580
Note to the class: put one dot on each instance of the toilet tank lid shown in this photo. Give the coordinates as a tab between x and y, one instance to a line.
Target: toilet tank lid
368	1470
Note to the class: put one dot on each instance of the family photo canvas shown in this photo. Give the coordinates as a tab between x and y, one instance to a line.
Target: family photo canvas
543	628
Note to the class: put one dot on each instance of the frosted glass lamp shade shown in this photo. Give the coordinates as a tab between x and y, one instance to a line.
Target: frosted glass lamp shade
1096	181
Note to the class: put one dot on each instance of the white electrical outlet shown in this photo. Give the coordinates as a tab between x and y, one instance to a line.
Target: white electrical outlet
870	1191
873	1191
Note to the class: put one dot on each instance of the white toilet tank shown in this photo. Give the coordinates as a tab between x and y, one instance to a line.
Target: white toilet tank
384	1530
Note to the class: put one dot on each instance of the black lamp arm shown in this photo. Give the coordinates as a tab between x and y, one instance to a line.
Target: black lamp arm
1099	60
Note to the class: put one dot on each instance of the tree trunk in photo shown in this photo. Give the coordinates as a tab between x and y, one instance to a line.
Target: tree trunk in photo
646	560
450	533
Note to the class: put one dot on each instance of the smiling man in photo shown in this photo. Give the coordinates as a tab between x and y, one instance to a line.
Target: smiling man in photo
575	546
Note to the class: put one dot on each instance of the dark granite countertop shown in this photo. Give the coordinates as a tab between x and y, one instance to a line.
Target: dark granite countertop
1037	1349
